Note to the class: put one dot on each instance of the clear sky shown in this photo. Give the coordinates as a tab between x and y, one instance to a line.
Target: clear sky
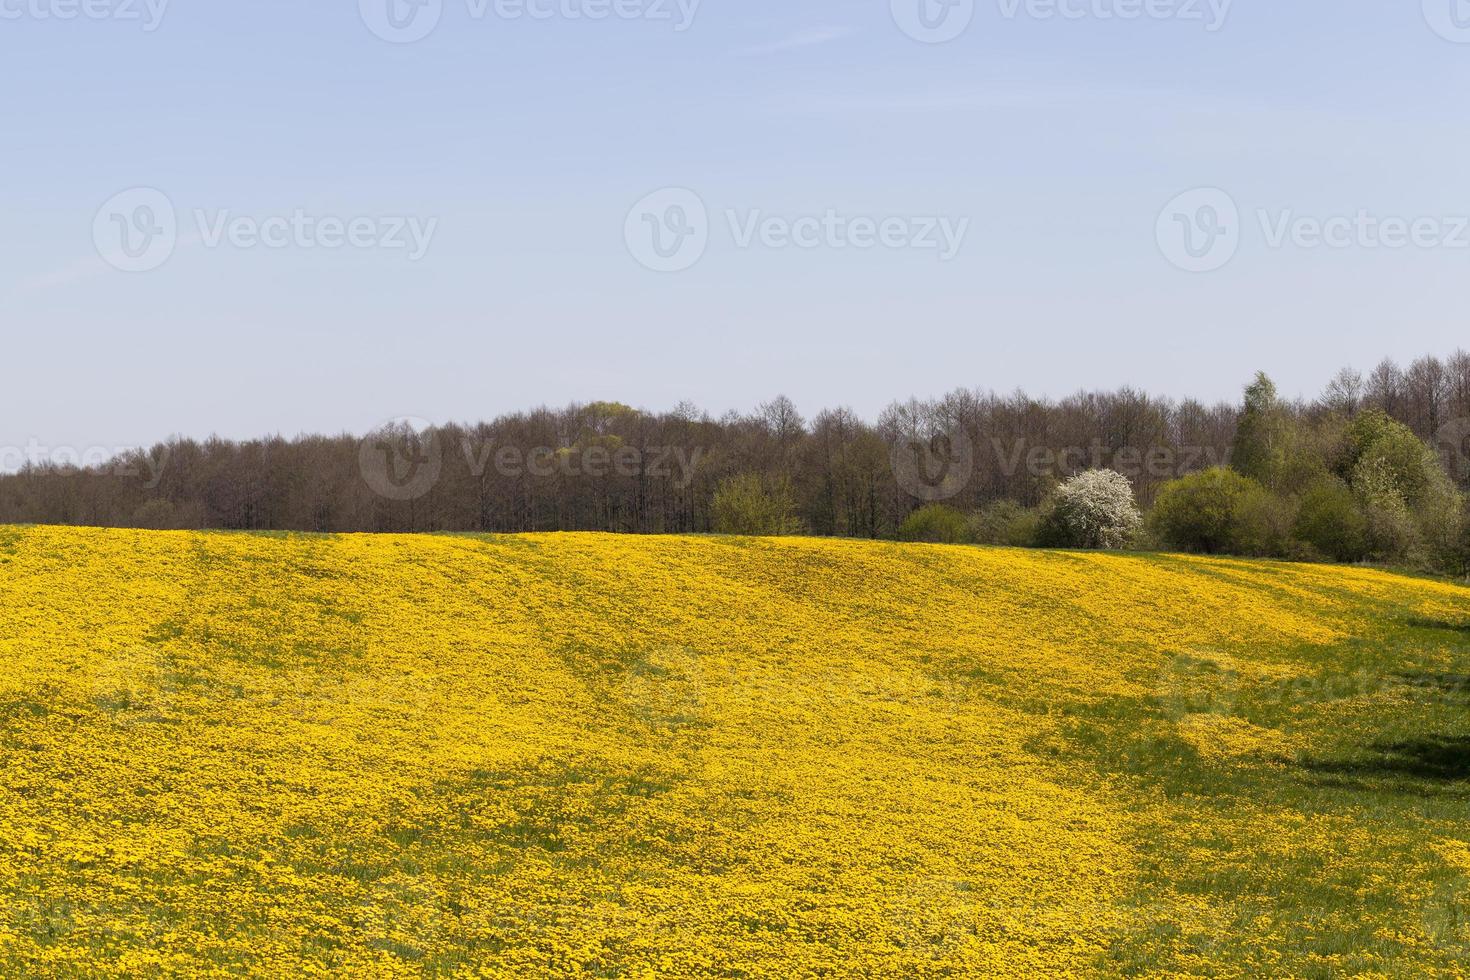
1048	138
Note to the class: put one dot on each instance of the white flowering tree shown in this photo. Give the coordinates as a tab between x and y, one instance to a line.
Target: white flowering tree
1096	510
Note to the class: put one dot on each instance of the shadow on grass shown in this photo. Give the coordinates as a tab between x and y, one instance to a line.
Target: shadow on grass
1422	623
1451	685
1443	759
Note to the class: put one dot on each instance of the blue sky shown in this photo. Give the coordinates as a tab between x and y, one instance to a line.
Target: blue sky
524	143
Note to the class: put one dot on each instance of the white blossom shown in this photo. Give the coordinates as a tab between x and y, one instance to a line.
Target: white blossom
1097	510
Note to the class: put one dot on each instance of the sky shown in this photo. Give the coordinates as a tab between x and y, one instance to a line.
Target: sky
286	217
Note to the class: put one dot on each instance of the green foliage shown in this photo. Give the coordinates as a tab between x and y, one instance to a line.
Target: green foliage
1459	557
1392	534
751	504
936	524
1386	456
1219	511
1332	520
1262	441
1443	525
1006	523
1413	511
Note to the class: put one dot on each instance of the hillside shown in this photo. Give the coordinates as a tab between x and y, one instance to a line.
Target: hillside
630	757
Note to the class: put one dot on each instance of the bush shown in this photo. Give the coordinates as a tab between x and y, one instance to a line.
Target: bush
1332	520
1264	528
936	524
1006	523
1441	520
754	505
1414	513
1459	563
1092	510
1392	534
1218	512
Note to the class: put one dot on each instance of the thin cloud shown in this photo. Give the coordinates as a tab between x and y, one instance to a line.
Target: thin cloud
997	96
89	268
794	42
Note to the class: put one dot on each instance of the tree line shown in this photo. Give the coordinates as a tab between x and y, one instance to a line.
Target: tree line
610	467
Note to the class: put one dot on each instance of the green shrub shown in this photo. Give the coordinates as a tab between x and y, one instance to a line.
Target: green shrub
750	504
1393	535
1442	522
936	524
1331	520
1006	523
1219	511
1379	454
1414	512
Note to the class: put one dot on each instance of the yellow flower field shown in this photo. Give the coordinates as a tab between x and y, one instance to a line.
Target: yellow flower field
588	755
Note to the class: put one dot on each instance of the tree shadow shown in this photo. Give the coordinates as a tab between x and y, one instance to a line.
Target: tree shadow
1437	758
1453	685
1452	626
